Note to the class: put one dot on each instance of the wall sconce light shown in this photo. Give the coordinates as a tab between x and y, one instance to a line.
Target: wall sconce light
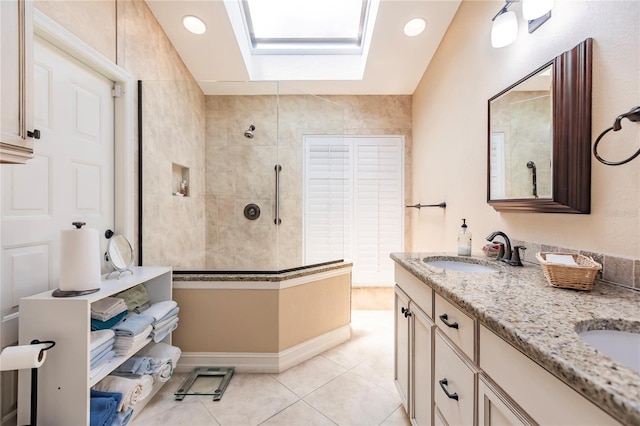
504	28
536	12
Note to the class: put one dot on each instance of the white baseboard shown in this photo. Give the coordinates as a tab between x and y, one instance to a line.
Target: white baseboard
265	362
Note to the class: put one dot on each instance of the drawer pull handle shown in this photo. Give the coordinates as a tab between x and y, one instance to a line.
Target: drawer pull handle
443	383
445	319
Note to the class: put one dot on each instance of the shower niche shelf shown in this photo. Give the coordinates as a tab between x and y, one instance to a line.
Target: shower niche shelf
180	180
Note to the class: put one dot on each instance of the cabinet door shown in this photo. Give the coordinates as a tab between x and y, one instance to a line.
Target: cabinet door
454	384
496	408
401	374
421	400
16	85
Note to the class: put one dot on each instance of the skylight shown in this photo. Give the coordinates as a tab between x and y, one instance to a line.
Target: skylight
303	39
305	26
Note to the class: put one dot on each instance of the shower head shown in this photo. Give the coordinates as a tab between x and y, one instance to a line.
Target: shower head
249	132
531	165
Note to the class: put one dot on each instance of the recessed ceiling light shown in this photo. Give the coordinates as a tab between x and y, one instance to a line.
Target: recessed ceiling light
415	27
194	24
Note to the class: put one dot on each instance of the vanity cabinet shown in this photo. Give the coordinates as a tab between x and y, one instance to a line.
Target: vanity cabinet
64	378
414	349
16	86
477	377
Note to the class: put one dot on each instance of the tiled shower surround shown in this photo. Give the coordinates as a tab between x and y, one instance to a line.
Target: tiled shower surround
240	171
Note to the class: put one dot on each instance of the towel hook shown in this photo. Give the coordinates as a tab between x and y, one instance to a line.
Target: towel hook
632	115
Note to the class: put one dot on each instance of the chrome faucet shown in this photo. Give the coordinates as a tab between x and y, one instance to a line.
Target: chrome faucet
504	255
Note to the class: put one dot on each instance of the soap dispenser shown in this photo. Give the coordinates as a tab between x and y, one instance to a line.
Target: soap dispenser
464	240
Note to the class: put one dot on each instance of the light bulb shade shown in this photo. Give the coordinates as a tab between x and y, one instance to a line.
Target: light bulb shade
415	27
504	30
533	9
194	24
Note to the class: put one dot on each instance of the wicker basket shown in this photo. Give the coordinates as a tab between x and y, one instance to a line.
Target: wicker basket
577	277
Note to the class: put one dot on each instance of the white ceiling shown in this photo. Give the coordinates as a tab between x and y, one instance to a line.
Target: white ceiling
395	63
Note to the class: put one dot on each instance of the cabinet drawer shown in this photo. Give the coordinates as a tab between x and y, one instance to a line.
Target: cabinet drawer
419	292
456	325
454	384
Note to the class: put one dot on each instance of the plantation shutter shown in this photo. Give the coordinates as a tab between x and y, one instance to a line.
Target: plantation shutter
328	191
353	203
378	200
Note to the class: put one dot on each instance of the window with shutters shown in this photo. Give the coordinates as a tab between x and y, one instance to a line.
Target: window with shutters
353	203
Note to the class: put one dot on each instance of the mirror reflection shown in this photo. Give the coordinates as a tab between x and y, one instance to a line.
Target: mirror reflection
521	139
120	255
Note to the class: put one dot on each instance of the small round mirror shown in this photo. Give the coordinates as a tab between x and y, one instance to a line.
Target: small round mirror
120	255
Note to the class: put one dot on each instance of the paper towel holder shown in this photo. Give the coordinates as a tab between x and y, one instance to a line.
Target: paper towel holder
119	254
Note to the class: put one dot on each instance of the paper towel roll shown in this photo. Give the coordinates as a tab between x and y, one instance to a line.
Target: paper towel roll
79	259
25	356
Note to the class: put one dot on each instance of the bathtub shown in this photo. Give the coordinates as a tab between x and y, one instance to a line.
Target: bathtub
261	322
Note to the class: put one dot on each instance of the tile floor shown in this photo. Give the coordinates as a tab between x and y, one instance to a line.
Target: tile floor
351	384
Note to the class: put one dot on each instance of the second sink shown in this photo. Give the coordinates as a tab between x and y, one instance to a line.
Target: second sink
622	346
458	265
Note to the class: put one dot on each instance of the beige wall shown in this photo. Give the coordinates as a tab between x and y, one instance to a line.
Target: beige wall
93	21
450	127
260	321
240	170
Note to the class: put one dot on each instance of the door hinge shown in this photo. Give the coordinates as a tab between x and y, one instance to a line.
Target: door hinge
117	91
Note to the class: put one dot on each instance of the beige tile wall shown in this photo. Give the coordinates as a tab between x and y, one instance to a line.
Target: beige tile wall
126	32
241	171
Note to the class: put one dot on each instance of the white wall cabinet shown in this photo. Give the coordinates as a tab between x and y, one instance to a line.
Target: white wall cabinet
16	86
64	378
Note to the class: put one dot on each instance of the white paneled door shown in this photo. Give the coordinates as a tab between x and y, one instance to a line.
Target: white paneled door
69	179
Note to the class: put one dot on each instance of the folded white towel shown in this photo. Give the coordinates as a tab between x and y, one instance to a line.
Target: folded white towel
160	309
161	350
130	388
562	259
99	337
100	369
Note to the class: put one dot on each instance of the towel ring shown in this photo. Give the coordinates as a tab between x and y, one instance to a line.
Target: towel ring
632	115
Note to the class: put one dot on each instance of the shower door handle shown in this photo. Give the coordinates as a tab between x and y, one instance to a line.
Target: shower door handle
277	220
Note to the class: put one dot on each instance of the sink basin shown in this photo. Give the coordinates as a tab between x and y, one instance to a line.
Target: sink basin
622	346
458	265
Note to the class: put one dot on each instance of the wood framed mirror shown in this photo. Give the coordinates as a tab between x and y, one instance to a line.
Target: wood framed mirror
539	138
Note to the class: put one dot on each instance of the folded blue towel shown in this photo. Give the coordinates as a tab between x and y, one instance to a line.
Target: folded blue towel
123	417
106	356
103	325
169	314
100	349
133	325
103	407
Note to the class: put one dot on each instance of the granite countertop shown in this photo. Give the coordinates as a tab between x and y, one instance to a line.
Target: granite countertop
257	276
518	304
